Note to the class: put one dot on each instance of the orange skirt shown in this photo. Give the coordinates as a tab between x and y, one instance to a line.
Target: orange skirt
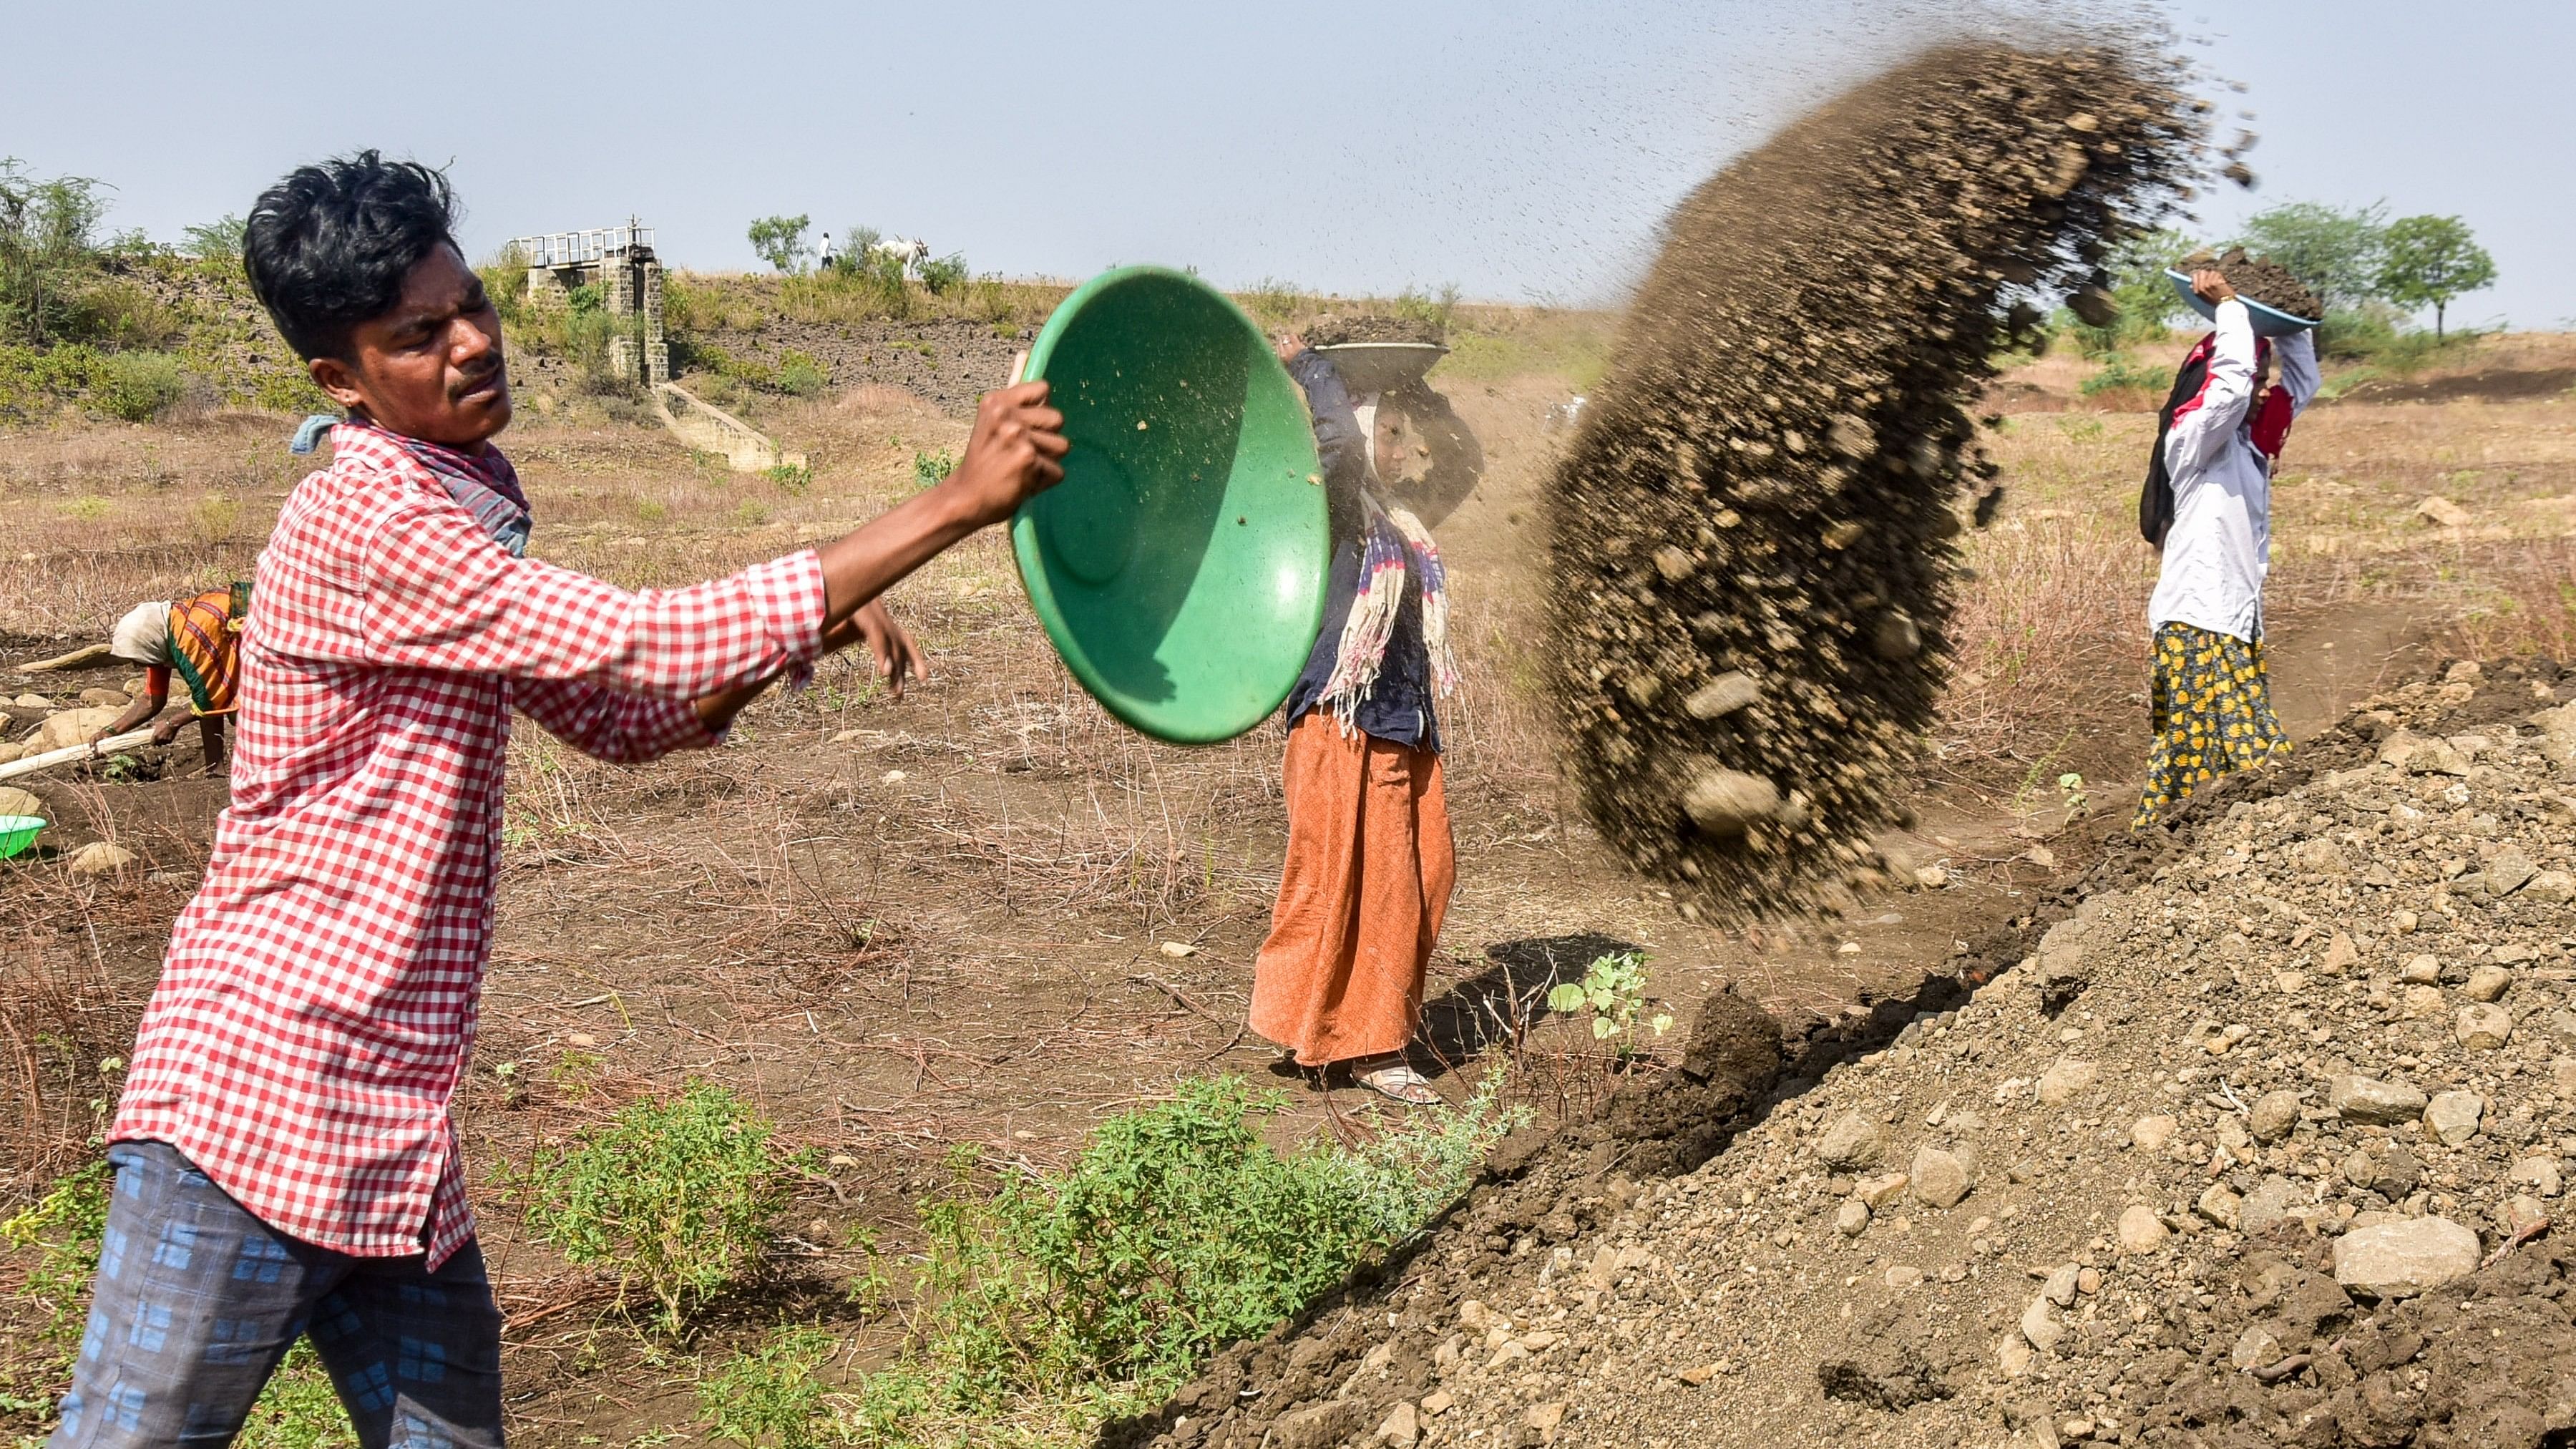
1361	896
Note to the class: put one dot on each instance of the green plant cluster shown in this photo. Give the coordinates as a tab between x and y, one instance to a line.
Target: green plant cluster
62	1230
679	1197
1613	989
120	325
943	275
929	470
800	374
2120	373
133	386
1068	1296
1437	309
771	1395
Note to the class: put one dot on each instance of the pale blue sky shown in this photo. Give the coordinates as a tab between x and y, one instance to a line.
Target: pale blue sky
1521	150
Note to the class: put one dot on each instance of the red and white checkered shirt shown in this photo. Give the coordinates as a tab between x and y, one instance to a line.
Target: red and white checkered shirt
317	1006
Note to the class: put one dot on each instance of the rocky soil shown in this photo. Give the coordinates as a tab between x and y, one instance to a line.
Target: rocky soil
2262	279
2253	1139
1749	563
951	361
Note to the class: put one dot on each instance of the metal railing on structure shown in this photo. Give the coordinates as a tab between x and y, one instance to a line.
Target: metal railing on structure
571	248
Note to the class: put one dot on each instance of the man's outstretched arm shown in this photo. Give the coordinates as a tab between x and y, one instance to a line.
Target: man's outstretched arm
439	595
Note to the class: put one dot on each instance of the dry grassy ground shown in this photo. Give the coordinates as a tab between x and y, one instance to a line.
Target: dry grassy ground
903	925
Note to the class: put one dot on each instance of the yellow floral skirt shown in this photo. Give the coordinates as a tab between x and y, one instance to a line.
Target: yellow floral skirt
2211	704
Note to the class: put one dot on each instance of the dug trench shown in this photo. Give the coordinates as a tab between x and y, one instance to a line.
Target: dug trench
2251	1135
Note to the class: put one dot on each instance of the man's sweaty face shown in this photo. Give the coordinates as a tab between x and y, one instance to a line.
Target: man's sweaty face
431	367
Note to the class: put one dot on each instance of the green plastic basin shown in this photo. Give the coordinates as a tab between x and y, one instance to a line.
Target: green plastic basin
1179	567
17	832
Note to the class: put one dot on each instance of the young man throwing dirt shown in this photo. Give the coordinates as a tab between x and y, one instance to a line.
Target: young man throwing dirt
2211	701
1369	866
284	1159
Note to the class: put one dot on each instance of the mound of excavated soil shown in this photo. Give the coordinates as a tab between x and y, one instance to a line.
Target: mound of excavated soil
2261	278
2250	1148
1335	329
1751	583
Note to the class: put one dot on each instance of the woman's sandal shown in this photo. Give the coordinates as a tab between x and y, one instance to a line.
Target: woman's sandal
1402	1083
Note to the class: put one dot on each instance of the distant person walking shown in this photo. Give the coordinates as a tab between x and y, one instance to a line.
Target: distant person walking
824	259
2210	701
199	639
1370	863
286	1164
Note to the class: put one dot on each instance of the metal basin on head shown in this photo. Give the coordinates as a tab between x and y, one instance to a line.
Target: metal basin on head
2269	321
1383	366
1179	567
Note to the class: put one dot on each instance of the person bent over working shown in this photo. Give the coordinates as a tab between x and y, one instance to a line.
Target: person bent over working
198	637
1370	863
2223	428
285	1160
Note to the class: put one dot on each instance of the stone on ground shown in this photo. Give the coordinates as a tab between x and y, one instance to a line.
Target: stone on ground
2400	1259
100	858
70	727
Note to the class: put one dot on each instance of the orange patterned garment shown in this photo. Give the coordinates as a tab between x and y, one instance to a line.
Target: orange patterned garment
205	647
1361	895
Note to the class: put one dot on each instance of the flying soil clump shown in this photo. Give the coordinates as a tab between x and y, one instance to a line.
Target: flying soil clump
1751	571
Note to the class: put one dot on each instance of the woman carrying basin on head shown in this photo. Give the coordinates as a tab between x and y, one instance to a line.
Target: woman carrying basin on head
2222	430
1369	865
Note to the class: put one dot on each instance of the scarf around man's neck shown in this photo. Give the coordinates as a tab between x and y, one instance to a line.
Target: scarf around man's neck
486	486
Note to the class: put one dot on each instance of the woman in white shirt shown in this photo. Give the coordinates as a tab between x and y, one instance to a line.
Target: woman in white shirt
2211	701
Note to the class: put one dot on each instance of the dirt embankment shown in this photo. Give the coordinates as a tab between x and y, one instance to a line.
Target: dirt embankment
2251	1139
1750	567
951	361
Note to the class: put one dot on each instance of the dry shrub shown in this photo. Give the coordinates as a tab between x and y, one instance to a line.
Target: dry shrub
2051	635
2520	601
66	1021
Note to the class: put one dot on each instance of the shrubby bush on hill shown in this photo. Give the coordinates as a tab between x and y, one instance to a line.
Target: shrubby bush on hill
118	324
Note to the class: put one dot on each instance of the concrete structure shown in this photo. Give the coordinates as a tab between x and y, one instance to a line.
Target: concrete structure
619	262
706	428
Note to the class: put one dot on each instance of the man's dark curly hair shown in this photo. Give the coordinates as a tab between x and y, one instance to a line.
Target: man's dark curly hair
328	246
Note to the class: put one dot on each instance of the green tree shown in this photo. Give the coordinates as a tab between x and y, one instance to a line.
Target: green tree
48	230
2335	251
2428	260
780	241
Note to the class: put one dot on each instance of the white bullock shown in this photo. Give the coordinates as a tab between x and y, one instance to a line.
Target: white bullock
911	251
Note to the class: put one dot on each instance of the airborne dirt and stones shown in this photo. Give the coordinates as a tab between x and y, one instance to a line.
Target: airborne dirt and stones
2243	1184
1751	579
